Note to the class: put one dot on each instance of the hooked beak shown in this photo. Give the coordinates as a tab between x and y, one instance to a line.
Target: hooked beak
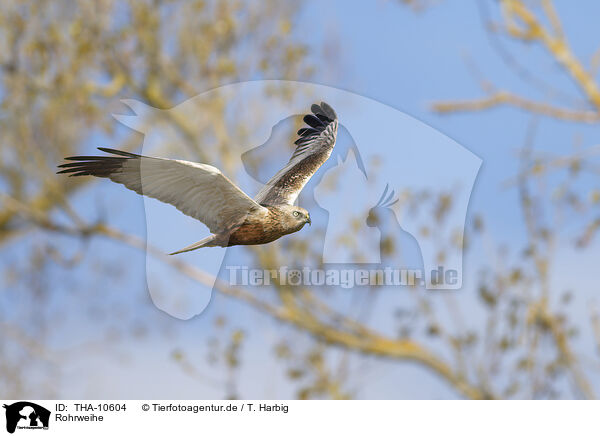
308	220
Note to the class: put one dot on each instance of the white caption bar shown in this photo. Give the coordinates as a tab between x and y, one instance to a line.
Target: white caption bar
299	417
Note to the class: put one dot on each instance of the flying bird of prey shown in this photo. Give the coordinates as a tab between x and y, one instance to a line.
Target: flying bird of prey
203	192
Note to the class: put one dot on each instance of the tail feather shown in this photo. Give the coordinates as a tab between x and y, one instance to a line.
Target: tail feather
206	242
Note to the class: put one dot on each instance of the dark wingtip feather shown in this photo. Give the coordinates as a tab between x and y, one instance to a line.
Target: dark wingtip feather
99	166
328	111
313	122
323	116
306	131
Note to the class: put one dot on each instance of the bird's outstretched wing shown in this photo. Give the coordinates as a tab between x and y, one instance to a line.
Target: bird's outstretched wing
198	190
313	148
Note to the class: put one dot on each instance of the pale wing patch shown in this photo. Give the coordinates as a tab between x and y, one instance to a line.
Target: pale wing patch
198	190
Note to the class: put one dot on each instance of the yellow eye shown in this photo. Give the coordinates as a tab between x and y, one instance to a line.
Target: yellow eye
296	213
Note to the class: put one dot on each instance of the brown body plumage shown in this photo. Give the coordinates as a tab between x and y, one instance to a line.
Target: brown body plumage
264	229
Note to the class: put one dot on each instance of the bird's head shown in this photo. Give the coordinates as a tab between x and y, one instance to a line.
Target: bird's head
296	217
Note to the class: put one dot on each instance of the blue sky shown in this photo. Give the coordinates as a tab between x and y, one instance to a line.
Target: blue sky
405	60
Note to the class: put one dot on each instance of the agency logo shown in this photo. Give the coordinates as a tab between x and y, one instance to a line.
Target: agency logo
393	195
26	415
